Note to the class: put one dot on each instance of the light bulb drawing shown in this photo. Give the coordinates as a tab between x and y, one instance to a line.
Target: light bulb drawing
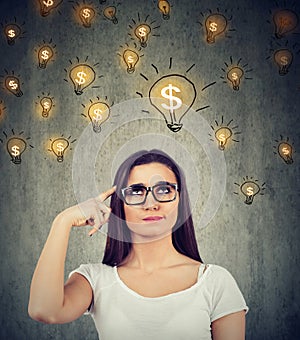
87	15
215	25
250	188
235	73
168	94
59	146
285	150
45	54
164	7
15	147
110	14
285	22
222	135
12	32
283	59
46	104
142	33
98	113
82	76
131	58
46	6
12	84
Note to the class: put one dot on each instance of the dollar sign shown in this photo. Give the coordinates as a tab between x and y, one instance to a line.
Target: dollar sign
249	191
284	60
222	137
171	98
86	13
285	151
213	26
60	147
46	105
81	79
13	85
11	33
45	54
142	32
98	116
130	59
234	76
15	150
48	3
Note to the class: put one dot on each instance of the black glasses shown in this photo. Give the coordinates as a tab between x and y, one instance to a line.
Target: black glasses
136	194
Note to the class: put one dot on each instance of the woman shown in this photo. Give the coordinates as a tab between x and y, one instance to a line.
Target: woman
152	283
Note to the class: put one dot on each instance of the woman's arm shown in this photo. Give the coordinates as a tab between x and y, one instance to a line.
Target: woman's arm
229	327
51	300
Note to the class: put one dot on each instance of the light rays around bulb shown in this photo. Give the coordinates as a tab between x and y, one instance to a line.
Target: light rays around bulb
250	187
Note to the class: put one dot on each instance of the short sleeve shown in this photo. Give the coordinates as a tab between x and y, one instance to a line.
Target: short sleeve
226	295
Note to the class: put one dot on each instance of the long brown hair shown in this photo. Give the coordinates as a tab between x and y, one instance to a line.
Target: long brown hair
118	242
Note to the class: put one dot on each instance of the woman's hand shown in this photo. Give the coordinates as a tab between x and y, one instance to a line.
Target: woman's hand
92	212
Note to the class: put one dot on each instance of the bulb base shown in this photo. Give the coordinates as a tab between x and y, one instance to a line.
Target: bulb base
175	127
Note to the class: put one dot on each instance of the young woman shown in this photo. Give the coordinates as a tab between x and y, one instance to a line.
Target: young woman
152	283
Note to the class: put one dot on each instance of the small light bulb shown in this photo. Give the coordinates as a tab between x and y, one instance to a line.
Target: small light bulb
12	32
46	103
82	75
46	6
86	15
98	112
285	21
15	147
250	189
235	75
59	146
222	136
110	14
285	151
12	84
142	33
164	7
44	55
283	58
131	58
215	24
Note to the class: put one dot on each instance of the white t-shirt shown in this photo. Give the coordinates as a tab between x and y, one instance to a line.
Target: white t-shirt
120	313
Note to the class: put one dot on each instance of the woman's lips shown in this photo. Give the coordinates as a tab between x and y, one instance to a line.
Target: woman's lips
152	218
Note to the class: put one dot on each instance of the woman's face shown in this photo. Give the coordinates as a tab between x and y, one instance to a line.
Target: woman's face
153	219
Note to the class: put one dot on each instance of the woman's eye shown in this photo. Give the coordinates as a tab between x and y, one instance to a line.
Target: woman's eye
136	191
163	190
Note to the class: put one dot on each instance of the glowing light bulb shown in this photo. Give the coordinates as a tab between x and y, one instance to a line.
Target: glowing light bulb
142	33
86	15
235	75
46	6
250	189
164	7
283	58
110	14
131	58
215	24
12	32
222	136
12	84
98	112
59	146
82	75
15	147
285	151
46	103
285	21
172	96
44	55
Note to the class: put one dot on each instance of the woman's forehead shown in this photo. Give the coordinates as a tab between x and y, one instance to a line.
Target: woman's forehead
150	174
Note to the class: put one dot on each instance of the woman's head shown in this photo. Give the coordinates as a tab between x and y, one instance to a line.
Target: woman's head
160	193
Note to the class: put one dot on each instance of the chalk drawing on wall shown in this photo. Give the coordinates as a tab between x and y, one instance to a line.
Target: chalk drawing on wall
85	13
47	6
130	56
250	188
224	133
45	104
59	146
165	8
13	31
285	149
235	72
12	83
285	22
110	13
45	52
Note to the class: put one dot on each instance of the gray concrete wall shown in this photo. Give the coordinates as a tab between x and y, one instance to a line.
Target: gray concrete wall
258	243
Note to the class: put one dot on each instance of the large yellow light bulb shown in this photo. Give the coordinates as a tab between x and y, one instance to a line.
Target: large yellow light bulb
15	147
283	58
250	189
164	7
86	15
98	112
46	103
215	24
235	75
285	151
131	58
82	75
285	21
222	135
12	84
44	55
46	6
59	146
142	33
12	32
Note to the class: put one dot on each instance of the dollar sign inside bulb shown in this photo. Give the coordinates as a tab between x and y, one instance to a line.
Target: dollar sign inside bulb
82	75
235	75
164	7
285	21
172	96
222	136
285	151
46	6
12	84
142	33
46	103
283	58
250	189
15	147
215	24
131	58
110	14
86	15
98	112
44	55
59	146
12	32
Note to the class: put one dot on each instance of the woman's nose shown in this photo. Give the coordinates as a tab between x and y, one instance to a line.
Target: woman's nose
150	202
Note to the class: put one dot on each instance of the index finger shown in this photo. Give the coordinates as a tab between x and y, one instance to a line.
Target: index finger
104	195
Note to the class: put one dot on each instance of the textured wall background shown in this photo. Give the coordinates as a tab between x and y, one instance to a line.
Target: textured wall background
258	243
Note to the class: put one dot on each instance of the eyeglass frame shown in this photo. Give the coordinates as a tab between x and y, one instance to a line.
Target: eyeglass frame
148	189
